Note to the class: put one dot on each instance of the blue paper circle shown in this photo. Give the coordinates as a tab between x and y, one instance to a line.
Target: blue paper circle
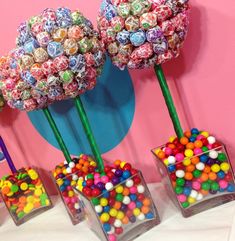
110	108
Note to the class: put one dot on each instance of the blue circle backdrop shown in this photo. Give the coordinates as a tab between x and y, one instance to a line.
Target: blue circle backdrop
110	107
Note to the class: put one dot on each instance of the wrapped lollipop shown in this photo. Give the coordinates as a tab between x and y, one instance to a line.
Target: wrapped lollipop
23	191
143	33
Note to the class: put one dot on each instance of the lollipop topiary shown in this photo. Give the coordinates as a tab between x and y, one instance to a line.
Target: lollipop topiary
143	33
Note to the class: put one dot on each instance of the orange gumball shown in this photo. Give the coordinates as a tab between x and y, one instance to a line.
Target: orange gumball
190	145
190	168
204	192
171	145
81	161
184	140
198	144
187	133
204	177
125	220
207	169
117	205
188	176
146	202
161	154
117	163
195	160
212	176
145	209
126	191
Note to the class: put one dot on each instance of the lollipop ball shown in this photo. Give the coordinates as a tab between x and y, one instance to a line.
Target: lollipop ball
151	31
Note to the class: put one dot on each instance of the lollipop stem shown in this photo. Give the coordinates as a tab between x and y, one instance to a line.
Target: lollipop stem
57	134
7	156
169	101
89	134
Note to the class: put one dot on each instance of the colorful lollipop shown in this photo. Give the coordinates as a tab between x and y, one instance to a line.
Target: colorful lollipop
23	191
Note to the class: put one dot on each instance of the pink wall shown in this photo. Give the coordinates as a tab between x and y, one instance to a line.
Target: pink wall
201	79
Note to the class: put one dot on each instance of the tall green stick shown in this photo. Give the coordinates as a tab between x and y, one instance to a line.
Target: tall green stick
89	134
169	101
57	134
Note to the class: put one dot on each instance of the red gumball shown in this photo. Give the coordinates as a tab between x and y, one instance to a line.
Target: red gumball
173	176
136	180
87	191
96	192
89	182
140	197
119	230
204	141
111	201
127	167
133	172
110	175
111	220
112	193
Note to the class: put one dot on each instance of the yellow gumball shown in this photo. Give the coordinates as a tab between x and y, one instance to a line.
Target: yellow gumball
205	133
191	200
113	212
136	212
104	217
120	215
119	189
224	166
188	153
166	162
186	162
103	202
215	168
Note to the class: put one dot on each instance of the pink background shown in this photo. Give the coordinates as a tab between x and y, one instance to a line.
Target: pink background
201	80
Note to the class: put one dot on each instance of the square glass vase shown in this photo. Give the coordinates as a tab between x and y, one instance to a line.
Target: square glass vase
122	213
24	195
65	187
198	183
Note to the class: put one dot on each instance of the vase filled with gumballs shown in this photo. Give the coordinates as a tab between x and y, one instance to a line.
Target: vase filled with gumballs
117	202
196	171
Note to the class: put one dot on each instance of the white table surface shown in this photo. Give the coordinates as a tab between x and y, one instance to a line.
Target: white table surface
217	224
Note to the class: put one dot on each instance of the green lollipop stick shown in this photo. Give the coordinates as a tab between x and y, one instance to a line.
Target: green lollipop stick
169	101
57	134
89	134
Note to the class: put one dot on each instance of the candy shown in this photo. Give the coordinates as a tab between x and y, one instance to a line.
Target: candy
40	55
123	197
197	169
138	38
70	46
55	49
148	20
152	21
43	38
60	35
23	192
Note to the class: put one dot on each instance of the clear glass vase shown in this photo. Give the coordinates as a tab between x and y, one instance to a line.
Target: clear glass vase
122	213
24	195
200	182
65	187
